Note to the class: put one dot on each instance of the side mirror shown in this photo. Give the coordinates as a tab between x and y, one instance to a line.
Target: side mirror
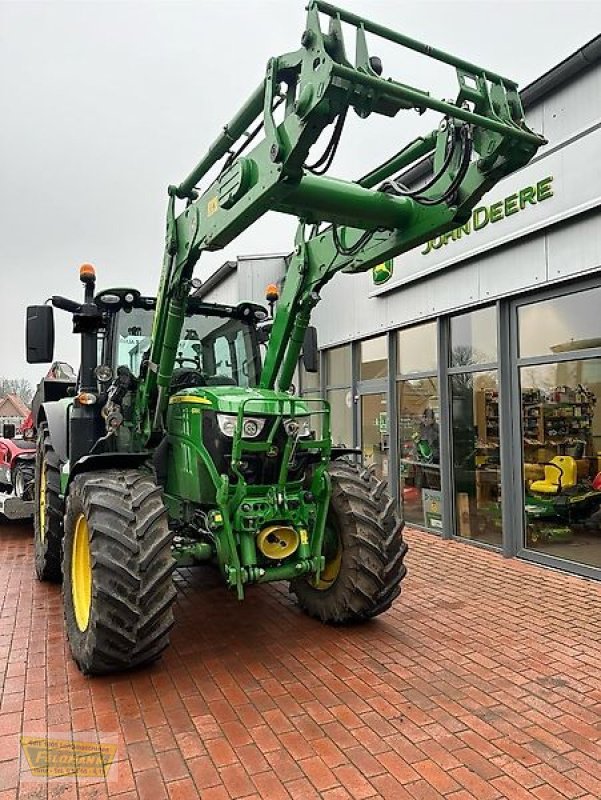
310	351
264	331
39	335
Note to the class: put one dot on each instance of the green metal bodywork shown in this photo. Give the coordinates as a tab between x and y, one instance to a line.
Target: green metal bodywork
240	511
367	224
567	505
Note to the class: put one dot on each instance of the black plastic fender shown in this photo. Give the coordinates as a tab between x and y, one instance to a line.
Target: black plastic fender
22	457
341	452
107	461
56	415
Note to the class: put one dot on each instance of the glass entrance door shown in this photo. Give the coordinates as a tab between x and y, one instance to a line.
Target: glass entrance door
374	432
559	361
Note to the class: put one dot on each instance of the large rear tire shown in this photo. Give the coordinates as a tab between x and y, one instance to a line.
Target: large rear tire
118	587
48	510
364	551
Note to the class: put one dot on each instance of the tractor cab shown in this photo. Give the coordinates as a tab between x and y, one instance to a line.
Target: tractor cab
218	344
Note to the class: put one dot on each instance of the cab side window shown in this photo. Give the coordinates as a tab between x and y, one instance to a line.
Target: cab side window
133	338
223	357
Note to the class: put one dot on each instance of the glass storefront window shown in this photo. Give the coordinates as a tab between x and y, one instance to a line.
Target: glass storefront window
341	420
309	380
476	456
561	428
417	349
374	432
560	325
338	366
374	359
474	338
315	406
419	452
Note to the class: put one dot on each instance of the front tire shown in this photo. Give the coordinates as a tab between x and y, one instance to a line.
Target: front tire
48	510
23	478
118	588
364	551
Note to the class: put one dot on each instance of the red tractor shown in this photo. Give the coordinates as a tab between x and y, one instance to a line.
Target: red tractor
17	470
17	453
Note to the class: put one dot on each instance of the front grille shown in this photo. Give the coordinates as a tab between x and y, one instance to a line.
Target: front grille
257	468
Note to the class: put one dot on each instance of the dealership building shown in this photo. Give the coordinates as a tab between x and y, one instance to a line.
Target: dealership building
471	378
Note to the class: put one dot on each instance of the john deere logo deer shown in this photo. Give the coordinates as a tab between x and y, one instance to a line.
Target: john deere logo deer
382	272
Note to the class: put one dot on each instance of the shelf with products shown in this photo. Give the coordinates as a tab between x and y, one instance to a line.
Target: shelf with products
559	418
488	450
558	422
487	418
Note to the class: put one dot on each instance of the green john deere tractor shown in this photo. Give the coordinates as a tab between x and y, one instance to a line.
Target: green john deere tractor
180	440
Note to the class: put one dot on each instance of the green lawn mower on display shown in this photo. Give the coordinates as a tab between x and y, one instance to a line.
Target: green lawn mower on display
181	440
560	501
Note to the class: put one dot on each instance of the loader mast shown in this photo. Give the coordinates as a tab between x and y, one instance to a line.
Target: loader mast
481	138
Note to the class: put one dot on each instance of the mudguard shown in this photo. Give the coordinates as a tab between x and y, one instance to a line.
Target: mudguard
341	452
22	457
108	461
56	415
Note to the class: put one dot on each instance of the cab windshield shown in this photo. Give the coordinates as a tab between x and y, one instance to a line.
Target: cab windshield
223	350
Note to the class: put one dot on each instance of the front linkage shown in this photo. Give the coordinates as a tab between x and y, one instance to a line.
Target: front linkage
246	510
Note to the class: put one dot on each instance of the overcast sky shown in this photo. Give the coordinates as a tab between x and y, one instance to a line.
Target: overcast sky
106	103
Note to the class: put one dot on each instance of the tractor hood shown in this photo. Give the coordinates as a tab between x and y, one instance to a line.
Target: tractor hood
229	399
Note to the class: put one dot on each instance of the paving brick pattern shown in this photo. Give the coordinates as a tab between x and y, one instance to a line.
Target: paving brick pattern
483	682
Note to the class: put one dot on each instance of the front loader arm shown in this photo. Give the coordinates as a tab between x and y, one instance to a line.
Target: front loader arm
318	258
317	85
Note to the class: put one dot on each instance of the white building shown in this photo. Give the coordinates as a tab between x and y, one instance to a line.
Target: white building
472	378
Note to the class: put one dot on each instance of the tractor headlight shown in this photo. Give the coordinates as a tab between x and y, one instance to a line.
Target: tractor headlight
227	425
301	427
104	373
251	426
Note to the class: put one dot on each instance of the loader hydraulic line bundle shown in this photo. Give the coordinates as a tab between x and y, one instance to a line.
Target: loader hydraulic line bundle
181	440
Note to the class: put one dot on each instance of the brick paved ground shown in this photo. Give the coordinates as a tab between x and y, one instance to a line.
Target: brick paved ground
484	682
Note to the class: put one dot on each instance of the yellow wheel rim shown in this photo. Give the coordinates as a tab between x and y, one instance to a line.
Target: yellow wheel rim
42	501
332	568
81	573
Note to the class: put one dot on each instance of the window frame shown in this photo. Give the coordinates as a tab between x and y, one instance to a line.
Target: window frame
516	544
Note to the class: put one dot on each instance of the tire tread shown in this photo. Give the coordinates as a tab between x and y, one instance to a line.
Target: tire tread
133	592
373	550
48	549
